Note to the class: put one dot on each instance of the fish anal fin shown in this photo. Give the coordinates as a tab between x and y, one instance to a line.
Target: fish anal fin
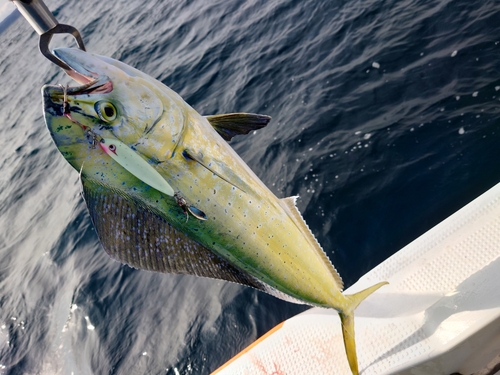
232	124
293	211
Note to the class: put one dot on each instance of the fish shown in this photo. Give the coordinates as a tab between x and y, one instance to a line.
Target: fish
167	193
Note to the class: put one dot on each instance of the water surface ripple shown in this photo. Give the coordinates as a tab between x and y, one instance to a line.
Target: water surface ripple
385	121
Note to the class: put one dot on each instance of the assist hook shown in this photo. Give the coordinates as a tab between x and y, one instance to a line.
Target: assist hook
46	25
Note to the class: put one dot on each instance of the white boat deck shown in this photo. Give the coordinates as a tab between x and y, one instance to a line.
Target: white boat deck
440	314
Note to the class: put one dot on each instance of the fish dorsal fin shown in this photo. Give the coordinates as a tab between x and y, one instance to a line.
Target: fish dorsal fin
134	234
295	214
231	124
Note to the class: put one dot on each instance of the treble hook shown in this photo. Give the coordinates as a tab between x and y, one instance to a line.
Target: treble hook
46	25
94	138
66	109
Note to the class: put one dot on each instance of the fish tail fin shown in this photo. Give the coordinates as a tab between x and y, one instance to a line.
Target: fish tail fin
347	319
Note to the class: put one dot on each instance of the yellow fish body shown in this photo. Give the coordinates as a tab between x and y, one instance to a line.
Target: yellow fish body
166	192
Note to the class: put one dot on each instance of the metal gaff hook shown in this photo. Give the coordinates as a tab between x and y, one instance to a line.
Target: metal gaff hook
46	25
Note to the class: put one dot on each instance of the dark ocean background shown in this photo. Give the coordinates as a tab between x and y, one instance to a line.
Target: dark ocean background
386	120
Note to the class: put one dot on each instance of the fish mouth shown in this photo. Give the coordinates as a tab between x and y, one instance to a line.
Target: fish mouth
85	69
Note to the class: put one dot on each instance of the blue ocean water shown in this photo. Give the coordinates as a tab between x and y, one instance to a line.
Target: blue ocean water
385	121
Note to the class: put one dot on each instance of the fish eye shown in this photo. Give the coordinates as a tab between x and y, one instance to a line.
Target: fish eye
106	111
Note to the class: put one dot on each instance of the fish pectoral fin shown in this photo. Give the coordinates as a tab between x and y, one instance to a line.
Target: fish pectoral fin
296	216
232	180
232	124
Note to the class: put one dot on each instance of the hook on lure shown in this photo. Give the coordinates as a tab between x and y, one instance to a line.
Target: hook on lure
197	213
46	25
92	137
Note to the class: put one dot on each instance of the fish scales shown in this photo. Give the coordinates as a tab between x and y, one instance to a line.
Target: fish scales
166	193
247	242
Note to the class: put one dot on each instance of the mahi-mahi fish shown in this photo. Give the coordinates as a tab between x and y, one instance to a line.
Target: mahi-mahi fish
167	193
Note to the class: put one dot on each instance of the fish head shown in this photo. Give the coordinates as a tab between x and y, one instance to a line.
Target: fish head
111	100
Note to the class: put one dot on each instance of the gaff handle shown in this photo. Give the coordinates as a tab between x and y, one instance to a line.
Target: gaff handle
37	14
46	25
